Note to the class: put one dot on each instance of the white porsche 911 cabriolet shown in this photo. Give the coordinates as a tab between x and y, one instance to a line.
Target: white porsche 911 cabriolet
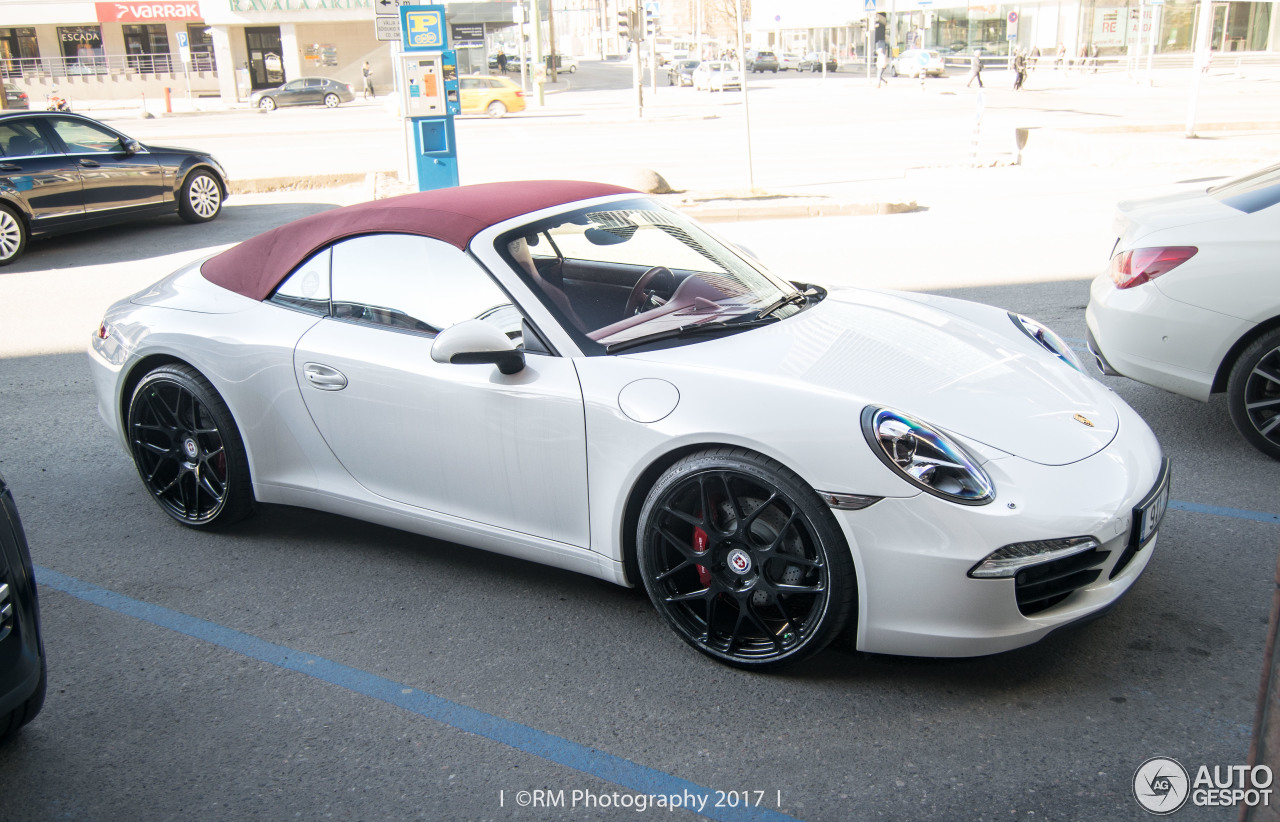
576	374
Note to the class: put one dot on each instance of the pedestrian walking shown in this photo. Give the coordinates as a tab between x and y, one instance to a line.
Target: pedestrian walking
1019	69
502	61
975	68
882	67
367	73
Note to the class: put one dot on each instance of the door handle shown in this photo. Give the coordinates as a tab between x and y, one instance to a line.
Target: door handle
89	163
10	167
324	377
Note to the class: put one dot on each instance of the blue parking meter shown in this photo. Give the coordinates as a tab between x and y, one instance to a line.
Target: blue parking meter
429	96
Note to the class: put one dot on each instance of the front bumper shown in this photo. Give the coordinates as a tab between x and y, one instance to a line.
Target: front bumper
913	555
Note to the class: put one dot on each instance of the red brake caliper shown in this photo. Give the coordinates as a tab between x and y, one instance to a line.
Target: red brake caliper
700	546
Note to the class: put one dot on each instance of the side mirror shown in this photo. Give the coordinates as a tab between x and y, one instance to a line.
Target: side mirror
474	342
130	147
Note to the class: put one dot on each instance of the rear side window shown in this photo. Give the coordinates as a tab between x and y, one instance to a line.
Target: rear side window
307	288
1252	192
20	139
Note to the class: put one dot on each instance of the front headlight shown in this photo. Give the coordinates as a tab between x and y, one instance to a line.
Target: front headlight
1047	339
926	457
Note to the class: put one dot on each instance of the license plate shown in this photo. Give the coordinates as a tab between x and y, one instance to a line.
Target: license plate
1148	513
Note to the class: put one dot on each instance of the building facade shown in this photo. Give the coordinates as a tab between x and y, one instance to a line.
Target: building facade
1112	27
229	48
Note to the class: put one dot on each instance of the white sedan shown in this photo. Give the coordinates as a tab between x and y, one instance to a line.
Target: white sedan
579	375
1191	301
918	62
717	75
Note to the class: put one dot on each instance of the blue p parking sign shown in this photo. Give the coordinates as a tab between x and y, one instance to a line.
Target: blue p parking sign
423	28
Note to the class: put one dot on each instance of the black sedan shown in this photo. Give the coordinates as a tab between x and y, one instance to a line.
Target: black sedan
309	91
680	73
63	172
15	97
22	660
815	60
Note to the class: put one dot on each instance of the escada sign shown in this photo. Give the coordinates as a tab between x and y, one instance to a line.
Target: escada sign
149	12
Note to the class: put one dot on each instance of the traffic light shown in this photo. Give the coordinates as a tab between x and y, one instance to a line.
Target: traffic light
651	26
624	28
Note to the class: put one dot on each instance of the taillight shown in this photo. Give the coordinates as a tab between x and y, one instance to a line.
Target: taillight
519	93
104	330
1142	265
351	88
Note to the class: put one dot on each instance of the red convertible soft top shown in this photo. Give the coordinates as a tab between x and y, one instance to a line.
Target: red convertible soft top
453	215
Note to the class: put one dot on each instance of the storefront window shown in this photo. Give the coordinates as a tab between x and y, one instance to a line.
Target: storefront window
17	45
1114	26
82	49
147	48
200	41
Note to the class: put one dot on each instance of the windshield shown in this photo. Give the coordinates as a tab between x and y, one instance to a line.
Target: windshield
1252	192
624	271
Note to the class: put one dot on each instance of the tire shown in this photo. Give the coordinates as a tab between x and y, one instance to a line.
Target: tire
331	101
267	104
200	199
769	594
496	108
13	235
1253	394
27	711
188	450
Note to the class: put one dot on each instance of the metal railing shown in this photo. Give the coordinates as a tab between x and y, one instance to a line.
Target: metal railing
35	67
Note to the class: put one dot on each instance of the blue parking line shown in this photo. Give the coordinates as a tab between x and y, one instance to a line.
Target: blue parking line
590	761
1218	511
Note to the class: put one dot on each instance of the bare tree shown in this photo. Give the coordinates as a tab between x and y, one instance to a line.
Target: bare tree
720	18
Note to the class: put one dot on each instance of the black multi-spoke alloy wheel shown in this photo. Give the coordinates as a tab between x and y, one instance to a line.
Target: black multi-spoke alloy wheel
187	448
1253	394
743	560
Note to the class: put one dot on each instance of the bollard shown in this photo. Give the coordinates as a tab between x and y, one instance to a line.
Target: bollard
168	103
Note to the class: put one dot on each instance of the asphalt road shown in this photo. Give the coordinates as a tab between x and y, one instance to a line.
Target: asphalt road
313	667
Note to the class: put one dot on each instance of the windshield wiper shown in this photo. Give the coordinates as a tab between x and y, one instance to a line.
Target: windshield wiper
791	299
689	331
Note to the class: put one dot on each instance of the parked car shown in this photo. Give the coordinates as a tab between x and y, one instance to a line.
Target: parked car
308	91
494	96
717	75
23	670
1191	300
772	461
914	62
815	60
763	61
788	62
46	158
564	63
15	98
680	73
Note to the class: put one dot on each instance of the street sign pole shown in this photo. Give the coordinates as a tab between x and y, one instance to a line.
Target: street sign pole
746	106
